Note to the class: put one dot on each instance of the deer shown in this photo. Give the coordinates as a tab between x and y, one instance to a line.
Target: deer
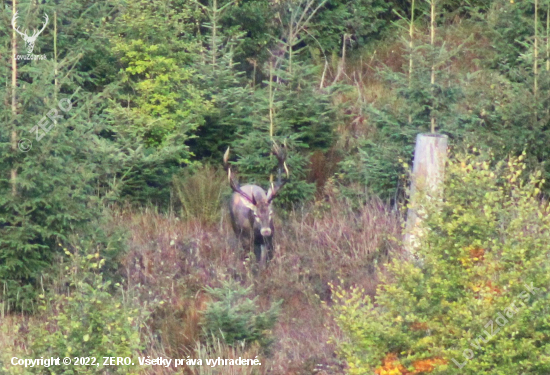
29	40
251	210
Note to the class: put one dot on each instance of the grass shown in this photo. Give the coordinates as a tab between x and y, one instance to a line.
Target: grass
170	260
174	259
198	194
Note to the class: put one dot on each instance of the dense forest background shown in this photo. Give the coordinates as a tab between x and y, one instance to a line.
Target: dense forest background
114	236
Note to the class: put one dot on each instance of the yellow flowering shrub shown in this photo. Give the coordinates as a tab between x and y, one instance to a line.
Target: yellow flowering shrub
477	303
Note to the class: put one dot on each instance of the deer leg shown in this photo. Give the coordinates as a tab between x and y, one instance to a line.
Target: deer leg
258	251
265	256
269	248
246	244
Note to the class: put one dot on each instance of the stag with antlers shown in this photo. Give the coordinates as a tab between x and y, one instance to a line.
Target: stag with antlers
251	210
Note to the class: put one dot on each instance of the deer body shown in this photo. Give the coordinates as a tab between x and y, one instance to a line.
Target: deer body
252	213
253	230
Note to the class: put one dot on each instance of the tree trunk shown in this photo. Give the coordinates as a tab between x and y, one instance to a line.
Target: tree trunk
13	178
430	155
432	78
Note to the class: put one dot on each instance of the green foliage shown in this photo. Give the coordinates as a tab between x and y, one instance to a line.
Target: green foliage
496	109
88	321
199	193
483	246
154	103
399	118
234	318
299	114
145	174
53	194
255	19
224	86
359	21
158	97
377	166
508	117
510	24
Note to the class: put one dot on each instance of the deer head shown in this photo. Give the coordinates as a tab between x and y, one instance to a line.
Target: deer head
280	153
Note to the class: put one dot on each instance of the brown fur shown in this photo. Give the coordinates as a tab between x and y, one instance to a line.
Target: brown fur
248	226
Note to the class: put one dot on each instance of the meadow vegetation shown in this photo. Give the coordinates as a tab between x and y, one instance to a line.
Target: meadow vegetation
115	237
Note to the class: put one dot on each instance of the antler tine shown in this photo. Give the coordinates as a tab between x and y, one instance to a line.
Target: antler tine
280	153
234	184
226	159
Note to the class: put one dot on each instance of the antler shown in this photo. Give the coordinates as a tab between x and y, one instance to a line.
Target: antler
14	18
280	153
234	184
43	27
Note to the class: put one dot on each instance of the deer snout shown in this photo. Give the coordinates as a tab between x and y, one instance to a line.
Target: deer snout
266	232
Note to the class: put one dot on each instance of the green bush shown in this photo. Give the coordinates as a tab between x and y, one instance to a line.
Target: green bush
467	307
510	25
299	114
396	120
87	321
360	20
234	318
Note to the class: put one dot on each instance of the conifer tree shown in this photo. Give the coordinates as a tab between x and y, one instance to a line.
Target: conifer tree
294	111
223	82
56	163
154	102
426	101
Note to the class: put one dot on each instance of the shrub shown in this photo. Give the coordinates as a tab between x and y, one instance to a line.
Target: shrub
300	115
467	307
235	318
86	322
361	21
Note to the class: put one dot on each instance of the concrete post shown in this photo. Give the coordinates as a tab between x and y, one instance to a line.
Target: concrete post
430	155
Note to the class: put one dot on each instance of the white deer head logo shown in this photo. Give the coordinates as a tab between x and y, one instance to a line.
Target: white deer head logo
29	40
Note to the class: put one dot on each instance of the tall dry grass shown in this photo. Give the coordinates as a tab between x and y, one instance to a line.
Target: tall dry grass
171	260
